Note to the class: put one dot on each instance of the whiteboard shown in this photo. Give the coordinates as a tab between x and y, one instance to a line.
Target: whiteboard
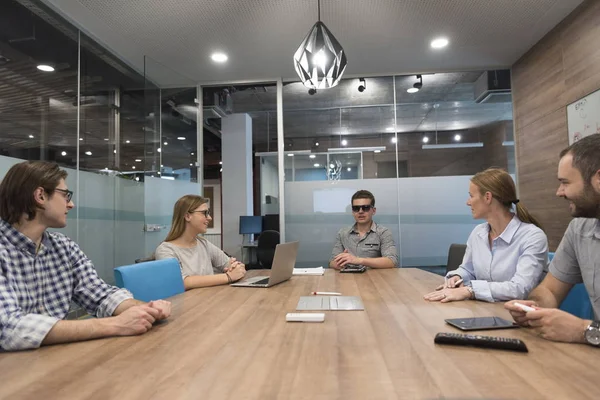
583	117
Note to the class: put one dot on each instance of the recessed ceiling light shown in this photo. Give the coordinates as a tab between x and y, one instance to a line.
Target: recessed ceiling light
159	149
425	139
394	140
390	129
165	143
31	136
439	43
89	153
180	137
332	166
412	90
377	151
220	162
45	68
344	142
348	169
128	141
291	155
312	156
317	165
80	138
138	160
137	178
106	139
64	153
115	151
133	167
219	57
191	164
457	137
192	153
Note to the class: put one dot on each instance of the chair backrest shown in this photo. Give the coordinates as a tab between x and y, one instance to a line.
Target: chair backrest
265	248
152	280
456	254
577	301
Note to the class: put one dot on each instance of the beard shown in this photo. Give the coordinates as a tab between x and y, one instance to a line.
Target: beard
586	204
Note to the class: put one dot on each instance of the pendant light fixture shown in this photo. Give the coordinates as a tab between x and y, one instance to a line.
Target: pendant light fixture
320	61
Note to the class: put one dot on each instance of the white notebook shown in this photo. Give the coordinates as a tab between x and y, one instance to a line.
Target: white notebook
331	303
309	271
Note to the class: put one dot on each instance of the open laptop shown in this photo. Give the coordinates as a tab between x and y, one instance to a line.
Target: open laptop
282	269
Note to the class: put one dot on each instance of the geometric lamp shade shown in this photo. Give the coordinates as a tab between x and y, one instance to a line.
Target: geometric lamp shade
320	60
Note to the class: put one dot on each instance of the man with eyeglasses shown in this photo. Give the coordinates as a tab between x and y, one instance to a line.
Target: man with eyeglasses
365	242
42	272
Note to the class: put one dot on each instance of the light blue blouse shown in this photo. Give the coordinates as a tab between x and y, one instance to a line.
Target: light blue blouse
511	268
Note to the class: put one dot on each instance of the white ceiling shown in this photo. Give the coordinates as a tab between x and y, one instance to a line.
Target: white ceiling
260	36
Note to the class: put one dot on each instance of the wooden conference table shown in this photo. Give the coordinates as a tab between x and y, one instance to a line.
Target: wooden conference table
234	343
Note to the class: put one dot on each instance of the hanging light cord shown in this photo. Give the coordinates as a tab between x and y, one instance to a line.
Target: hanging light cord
319	6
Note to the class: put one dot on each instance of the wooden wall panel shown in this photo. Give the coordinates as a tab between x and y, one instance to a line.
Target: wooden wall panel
563	67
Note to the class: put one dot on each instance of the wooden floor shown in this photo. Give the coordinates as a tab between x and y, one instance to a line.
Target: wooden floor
234	343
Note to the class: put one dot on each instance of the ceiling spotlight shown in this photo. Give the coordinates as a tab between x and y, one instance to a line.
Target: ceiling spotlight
128	141
390	129
180	137
344	142
133	167
191	164
64	153
31	136
376	151
332	166
80	138
316	143
220	162
394	139
312	91
192	153
363	85
312	156
89	153
317	165
291	155
138	160
106	139
348	169
115	151
159	149
457	137
439	43
45	68
417	86
219	57
425	139
165	143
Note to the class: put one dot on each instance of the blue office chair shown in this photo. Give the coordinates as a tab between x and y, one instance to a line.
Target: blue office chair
577	301
151	280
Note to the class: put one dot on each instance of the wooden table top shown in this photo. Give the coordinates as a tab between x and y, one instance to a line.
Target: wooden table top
234	343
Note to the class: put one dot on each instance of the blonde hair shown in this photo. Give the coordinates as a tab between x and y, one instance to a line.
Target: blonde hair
184	205
502	187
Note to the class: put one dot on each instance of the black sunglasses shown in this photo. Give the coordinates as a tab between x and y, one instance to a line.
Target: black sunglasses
68	194
366	208
205	212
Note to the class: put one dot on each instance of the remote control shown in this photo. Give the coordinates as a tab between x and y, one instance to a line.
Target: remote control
492	342
305	317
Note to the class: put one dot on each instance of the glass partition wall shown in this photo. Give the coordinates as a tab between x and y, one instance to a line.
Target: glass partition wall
416	152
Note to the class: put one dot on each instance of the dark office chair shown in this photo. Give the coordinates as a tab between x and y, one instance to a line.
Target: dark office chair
265	248
456	254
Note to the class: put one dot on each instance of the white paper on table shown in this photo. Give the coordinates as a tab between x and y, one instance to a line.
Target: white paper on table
309	271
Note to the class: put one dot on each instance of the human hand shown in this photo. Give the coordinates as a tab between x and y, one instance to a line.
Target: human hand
557	325
231	265
237	272
517	313
163	307
135	320
342	259
447	295
452	282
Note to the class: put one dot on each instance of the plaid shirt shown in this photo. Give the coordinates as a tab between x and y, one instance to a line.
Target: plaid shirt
36	290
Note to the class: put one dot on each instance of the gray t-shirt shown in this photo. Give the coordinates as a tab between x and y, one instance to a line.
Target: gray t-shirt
577	258
378	242
204	259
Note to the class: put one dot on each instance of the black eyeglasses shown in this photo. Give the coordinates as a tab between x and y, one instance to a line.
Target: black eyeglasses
365	208
205	212
68	194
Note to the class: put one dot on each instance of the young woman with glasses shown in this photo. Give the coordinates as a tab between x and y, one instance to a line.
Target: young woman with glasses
202	263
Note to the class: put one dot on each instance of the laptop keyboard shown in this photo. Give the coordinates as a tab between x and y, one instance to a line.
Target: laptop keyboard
261	282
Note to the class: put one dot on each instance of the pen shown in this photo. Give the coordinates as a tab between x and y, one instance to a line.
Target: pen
458	282
524	307
327	293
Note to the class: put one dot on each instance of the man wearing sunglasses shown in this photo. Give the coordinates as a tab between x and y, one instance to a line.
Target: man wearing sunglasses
42	272
365	242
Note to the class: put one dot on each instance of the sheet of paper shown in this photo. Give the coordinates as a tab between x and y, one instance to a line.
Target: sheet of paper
309	271
330	303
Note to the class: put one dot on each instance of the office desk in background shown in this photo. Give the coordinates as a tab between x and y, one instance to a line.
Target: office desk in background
234	343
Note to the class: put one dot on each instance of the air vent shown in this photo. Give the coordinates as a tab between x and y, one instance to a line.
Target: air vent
493	87
214	112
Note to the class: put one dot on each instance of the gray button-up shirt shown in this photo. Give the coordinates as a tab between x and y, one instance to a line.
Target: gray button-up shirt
577	258
378	242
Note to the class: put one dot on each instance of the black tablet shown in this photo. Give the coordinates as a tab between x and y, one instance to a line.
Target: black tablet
481	323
